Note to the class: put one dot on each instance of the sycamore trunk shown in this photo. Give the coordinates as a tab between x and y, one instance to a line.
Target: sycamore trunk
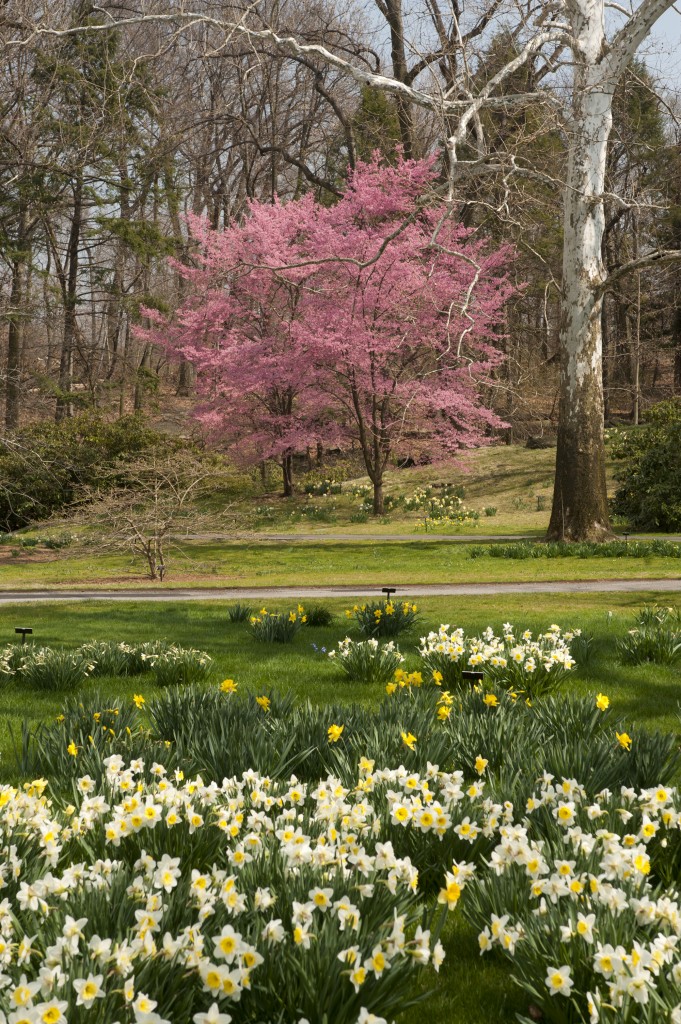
580	506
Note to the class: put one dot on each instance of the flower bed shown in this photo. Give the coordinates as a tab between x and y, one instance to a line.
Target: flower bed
208	855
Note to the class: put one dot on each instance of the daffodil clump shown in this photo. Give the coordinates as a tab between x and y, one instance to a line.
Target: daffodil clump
367	661
161	877
521	663
656	637
179	665
575	896
277	627
383	618
47	668
150	897
444	504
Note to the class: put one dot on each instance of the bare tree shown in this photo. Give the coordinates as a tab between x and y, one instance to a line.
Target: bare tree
155	497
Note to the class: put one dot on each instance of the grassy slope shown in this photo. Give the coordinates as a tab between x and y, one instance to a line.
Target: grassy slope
470	989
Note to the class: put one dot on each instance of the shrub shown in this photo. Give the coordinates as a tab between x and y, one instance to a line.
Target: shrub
383	618
649	492
490	511
367	661
50	462
277	627
239	612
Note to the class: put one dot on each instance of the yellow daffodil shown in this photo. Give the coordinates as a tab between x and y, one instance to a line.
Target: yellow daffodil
409	740
602	702
138	700
228	686
72	749
491	700
264	702
390	688
624	740
437	678
480	764
334	732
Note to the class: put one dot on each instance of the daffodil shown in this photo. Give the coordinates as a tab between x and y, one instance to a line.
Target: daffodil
138	700
602	702
624	740
409	740
334	732
228	686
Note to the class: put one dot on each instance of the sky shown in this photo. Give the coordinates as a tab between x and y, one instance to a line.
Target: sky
662	52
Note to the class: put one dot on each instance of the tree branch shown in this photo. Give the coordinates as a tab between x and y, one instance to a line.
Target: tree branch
627	41
659	257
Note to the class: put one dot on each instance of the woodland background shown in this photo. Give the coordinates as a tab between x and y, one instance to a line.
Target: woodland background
108	140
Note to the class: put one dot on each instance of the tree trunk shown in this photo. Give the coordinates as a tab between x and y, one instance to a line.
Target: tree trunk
287	474
15	333
580	505
379	504
64	405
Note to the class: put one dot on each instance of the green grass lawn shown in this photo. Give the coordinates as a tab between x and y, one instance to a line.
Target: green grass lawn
469	989
645	694
269	564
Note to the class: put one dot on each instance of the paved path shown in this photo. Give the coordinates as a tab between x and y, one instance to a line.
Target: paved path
409	590
324	537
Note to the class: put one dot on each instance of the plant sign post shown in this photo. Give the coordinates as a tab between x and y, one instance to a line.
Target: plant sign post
23	630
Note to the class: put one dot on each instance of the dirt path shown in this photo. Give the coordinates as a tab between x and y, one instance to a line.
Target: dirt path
272	593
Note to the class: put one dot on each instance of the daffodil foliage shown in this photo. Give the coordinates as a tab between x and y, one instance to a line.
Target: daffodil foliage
209	856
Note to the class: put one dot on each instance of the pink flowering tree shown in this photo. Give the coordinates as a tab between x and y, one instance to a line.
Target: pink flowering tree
406	340
243	327
345	323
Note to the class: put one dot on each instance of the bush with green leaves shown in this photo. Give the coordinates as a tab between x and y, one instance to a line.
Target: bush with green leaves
277	627
383	618
367	661
656	638
48	463
649	475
